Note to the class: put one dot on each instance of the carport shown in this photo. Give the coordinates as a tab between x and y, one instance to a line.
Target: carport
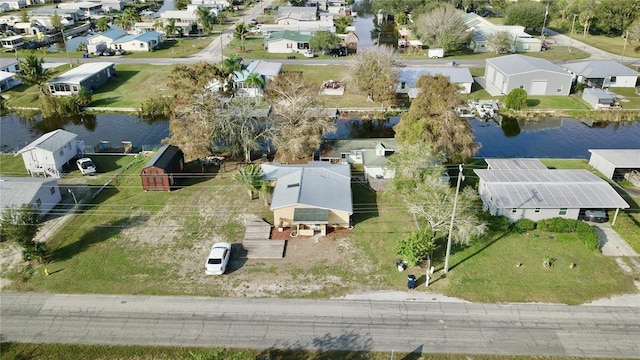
614	163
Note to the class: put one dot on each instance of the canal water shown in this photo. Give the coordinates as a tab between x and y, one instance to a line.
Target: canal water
544	138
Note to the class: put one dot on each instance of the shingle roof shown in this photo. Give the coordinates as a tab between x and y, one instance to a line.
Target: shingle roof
316	184
51	141
597	69
622	158
21	190
527	189
164	157
518	64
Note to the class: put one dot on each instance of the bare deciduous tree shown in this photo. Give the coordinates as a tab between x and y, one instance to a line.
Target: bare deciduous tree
297	123
500	41
443	27
374	71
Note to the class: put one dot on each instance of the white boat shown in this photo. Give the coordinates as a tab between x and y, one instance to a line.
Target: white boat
464	112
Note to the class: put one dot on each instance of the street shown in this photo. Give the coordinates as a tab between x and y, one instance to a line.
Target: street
403	326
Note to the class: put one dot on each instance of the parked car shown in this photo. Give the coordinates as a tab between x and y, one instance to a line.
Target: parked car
86	166
308	53
595	215
218	259
338	52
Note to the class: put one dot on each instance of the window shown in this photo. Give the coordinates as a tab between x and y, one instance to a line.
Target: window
514	210
141	45
61	151
521	86
75	88
289	46
53	190
38	202
563	211
613	80
537	210
403	85
343	155
559	89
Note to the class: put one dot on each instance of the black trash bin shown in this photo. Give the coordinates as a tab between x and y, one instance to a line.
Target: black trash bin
411	281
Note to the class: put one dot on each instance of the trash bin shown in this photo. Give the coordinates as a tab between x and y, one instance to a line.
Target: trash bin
411	282
400	264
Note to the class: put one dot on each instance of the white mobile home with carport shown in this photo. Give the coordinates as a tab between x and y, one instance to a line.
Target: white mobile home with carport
536	76
603	73
144	42
545	194
614	163
89	76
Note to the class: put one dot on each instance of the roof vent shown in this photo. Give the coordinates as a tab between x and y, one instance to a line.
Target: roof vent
293	185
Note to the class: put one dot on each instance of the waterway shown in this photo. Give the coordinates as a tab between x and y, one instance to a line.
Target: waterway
544	138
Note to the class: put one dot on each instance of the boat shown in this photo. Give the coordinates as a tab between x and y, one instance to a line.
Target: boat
485	109
464	112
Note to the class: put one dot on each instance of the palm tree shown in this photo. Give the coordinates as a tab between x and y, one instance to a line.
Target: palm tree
254	80
249	177
32	72
585	18
170	27
158	25
204	19
102	24
231	64
241	31
128	18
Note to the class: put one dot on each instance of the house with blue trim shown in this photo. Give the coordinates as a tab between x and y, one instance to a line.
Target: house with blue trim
144	42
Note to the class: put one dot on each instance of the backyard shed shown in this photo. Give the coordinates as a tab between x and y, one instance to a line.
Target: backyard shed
157	174
599	98
89	76
614	163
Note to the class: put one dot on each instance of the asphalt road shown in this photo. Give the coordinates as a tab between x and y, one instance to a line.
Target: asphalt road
403	326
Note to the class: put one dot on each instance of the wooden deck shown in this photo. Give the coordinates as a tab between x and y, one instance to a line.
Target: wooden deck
257	242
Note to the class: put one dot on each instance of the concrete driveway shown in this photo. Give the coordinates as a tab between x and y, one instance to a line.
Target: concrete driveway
611	243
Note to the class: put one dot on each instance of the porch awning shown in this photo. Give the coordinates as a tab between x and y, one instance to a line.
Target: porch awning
310	216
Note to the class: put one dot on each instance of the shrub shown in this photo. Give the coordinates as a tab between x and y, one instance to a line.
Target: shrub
516	100
415	247
498	223
523	225
558	225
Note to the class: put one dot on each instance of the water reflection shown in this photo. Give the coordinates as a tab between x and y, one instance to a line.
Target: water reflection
356	128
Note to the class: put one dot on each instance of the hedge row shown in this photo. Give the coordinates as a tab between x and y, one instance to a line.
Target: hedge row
586	233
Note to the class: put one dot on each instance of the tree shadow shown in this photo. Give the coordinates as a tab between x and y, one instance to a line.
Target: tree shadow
415	354
96	235
347	346
194	173
487	245
533	102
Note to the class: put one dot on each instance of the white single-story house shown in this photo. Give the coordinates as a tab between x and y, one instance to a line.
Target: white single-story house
302	27
16	4
310	197
41	193
46	155
599	98
602	73
88	75
146	41
287	42
515	164
408	78
186	19
12	42
105	39
310	12
8	78
267	71
373	154
614	163
536	76
337	6
90	8
538	194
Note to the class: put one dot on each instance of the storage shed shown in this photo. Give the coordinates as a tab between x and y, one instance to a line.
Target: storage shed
599	98
536	76
157	175
614	163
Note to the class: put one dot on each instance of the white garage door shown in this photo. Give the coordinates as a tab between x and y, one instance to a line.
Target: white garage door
499	80
538	87
491	72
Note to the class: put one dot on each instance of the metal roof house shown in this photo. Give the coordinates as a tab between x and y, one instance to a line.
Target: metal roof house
543	194
267	71
287	42
310	196
408	78
614	163
602	73
157	174
46	155
515	164
88	75
536	76
599	98
372	153
144	42
41	193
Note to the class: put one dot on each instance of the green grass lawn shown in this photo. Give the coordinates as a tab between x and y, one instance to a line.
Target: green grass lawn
12	166
612	44
631	98
571	102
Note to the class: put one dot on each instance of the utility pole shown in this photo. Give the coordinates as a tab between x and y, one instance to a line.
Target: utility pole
625	45
453	215
573	26
544	23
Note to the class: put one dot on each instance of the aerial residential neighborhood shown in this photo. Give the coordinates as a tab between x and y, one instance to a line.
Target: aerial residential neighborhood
362	179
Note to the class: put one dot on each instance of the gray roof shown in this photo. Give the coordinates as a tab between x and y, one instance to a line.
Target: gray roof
338	147
316	184
600	69
519	64
515	164
82	72
622	158
165	158
458	75
599	93
51	141
144	37
21	190
528	189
